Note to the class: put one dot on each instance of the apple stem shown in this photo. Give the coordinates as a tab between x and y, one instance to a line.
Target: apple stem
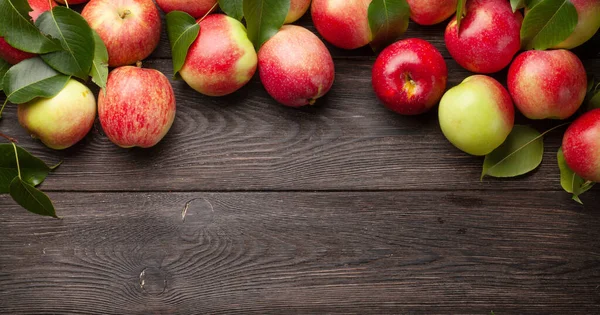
66	3
312	101
11	139
209	12
124	14
17	157
138	63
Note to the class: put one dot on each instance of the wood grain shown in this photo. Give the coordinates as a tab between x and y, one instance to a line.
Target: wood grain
247	141
253	253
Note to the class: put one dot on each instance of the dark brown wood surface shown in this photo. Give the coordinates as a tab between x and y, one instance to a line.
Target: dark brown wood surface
249	207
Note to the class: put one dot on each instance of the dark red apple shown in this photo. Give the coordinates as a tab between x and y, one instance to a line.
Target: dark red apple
410	76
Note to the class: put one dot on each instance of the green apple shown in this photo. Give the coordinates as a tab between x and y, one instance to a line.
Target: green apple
61	121
477	115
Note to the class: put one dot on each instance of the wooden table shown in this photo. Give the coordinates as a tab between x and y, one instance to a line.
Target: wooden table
250	207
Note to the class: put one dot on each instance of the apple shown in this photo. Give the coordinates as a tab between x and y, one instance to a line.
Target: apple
410	76
489	36
430	12
477	115
295	67
297	10
196	8
13	55
547	84
129	28
63	120
137	108
222	59
581	146
587	24
343	23
72	1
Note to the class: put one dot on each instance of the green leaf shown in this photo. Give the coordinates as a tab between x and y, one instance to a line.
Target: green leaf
32	78
31	198
460	13
76	38
33	170
548	23
18	30
4	66
264	18
233	8
99	71
520	154
388	20
529	4
183	31
571	182
594	101
517	4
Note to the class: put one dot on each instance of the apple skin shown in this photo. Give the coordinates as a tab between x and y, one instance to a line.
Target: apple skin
547	84
295	67
581	146
195	8
343	23
63	120
138	108
222	59
489	36
130	29
297	10
477	115
430	12
410	76
587	25
13	55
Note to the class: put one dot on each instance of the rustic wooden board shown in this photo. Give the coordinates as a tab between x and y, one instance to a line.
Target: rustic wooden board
343	252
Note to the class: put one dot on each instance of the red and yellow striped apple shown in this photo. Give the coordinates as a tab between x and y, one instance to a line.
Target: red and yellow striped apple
13	55
343	23
63	120
129	28
410	76
430	12
138	107
295	67
489	36
222	59
195	8
477	115
547	84
581	146
297	10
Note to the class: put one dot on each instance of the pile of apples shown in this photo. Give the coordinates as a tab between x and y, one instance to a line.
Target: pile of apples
137	107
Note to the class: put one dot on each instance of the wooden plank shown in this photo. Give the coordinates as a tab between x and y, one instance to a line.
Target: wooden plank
247	141
386	252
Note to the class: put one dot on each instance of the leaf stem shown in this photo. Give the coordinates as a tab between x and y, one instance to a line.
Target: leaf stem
2	108
209	12
11	139
17	158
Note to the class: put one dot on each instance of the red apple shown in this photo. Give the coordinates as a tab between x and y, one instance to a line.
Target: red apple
63	120
72	1
129	28
581	146
222	59
489	36
13	55
295	66
138	107
430	12
343	23
297	10
410	76
547	84
587	25
195	8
